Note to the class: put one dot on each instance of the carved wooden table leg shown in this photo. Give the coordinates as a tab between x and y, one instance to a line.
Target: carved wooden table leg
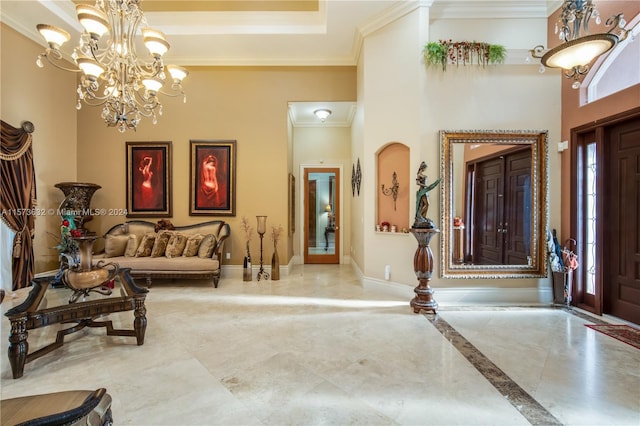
18	346
140	321
423	267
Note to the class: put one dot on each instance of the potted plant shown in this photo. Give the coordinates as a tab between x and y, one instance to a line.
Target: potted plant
443	52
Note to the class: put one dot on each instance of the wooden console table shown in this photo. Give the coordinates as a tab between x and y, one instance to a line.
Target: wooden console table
33	313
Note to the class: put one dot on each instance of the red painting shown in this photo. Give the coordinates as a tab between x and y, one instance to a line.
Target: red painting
148	179
212	178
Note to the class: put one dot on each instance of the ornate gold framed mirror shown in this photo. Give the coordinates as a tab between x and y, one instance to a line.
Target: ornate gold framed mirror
494	203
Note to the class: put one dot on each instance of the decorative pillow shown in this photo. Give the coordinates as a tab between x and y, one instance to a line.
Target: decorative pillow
160	245
207	245
114	245
176	245
132	246
193	244
146	245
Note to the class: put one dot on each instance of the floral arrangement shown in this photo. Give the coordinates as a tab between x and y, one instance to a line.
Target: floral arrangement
248	232
276	231
68	231
445	52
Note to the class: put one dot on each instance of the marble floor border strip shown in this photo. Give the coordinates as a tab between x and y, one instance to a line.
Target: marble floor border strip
530	409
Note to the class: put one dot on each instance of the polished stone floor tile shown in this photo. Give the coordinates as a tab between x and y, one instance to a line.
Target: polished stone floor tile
319	348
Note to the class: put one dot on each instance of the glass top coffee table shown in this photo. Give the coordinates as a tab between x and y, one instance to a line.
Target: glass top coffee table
46	305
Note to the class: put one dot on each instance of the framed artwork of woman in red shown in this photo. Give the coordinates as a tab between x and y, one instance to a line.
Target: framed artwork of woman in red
213	178
148	179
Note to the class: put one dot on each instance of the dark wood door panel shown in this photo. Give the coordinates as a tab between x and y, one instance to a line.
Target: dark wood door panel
622	226
517	228
489	215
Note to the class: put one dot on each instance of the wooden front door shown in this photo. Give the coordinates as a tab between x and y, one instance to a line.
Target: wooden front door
622	222
502	210
517	224
488	219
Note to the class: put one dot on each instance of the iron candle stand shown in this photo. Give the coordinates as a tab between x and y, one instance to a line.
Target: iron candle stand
262	228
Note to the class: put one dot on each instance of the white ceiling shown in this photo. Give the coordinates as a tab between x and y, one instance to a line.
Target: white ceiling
331	36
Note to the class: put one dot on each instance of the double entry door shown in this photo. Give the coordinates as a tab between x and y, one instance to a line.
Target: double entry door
502	209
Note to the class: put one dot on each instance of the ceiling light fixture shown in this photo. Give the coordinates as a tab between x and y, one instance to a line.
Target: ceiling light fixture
577	52
112	73
322	113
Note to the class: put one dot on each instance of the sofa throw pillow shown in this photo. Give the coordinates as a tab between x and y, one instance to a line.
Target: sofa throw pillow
115	245
193	244
207	245
176	245
132	245
160	245
146	245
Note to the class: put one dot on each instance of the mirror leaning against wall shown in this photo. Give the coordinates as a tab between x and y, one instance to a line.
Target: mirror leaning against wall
494	203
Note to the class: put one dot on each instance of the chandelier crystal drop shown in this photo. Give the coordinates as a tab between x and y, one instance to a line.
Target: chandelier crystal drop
113	76
577	51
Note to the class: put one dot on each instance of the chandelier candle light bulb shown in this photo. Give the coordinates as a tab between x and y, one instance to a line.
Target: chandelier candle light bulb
113	76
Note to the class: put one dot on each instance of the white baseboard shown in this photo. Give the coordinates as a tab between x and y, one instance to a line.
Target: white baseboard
454	296
464	296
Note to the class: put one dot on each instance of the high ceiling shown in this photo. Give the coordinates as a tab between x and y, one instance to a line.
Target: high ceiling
266	32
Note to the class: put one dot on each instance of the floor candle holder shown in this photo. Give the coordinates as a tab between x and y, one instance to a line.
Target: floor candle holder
262	228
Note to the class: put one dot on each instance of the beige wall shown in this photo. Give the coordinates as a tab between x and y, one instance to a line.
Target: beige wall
248	104
416	102
323	147
46	97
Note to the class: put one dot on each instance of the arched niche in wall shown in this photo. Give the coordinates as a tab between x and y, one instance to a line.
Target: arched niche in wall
393	188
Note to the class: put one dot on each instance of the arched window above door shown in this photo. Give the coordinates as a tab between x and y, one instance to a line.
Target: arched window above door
618	71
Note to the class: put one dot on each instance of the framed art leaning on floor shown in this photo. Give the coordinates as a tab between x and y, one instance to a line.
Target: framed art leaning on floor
148	186
212	180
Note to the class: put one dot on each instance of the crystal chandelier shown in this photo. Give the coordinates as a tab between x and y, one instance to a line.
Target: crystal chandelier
112	74
577	51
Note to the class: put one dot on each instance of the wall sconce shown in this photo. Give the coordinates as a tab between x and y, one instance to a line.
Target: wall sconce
327	208
393	191
322	113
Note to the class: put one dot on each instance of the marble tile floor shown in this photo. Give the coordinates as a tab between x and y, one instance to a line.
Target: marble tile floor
319	348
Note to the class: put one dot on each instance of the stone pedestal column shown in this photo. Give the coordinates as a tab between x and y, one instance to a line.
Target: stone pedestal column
423	267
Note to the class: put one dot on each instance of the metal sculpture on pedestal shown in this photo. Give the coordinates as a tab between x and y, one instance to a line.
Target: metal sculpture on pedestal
423	229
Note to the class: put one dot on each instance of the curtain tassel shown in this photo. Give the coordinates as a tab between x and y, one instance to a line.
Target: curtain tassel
17	245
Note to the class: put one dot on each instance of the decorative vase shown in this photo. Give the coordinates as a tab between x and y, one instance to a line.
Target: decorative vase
246	268
275	264
77	201
85	277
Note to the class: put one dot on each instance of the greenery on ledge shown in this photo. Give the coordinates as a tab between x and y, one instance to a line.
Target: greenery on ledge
445	52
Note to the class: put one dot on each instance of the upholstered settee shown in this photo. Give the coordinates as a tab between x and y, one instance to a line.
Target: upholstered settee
192	251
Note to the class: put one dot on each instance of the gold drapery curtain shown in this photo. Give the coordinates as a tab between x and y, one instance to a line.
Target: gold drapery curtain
18	199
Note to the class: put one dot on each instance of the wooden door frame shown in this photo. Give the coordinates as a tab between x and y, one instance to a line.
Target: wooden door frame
580	136
338	214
